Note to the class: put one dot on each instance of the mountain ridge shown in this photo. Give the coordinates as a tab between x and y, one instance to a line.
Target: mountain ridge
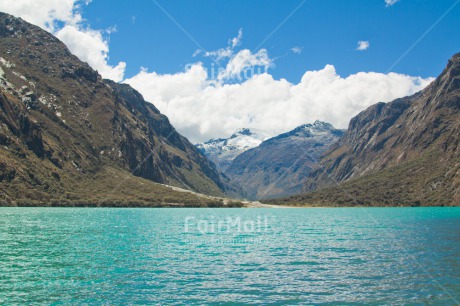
63	125
222	151
405	152
278	165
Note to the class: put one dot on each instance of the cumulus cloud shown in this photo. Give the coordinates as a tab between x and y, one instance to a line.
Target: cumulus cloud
237	64
44	13
88	44
297	50
244	60
362	45
202	109
390	2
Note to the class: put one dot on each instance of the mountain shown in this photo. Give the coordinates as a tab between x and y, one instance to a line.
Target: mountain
405	152
279	165
222	151
67	136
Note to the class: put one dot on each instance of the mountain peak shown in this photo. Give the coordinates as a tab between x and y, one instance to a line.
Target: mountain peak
243	131
315	126
257	133
322	124
450	77
455	59
222	151
278	165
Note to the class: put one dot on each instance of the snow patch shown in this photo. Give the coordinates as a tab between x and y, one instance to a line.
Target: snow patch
6	63
43	100
224	150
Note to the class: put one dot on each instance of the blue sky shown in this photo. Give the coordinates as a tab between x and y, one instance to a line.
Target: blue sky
327	30
150	44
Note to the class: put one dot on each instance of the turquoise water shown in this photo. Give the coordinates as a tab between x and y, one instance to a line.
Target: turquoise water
225	256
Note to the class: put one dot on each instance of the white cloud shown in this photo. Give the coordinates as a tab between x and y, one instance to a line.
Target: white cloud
112	29
363	45
297	50
243	60
390	2
44	13
237	40
196	53
202	109
220	54
88	44
226	53
233	64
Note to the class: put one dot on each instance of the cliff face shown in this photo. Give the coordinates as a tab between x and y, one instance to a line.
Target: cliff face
153	149
61	124
279	165
402	152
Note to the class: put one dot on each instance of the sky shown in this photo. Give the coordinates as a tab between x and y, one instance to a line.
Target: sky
215	66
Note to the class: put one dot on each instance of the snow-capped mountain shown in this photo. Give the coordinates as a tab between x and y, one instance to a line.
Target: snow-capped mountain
222	151
279	165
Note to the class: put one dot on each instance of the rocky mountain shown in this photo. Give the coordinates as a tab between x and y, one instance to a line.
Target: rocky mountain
405	152
68	136
222	151
279	165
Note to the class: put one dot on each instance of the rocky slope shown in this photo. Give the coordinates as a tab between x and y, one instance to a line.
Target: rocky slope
65	132
279	165
401	153
222	151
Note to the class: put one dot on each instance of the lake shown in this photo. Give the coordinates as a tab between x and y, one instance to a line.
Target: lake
248	256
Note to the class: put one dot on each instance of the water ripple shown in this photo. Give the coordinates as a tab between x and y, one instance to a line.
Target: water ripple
310	256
